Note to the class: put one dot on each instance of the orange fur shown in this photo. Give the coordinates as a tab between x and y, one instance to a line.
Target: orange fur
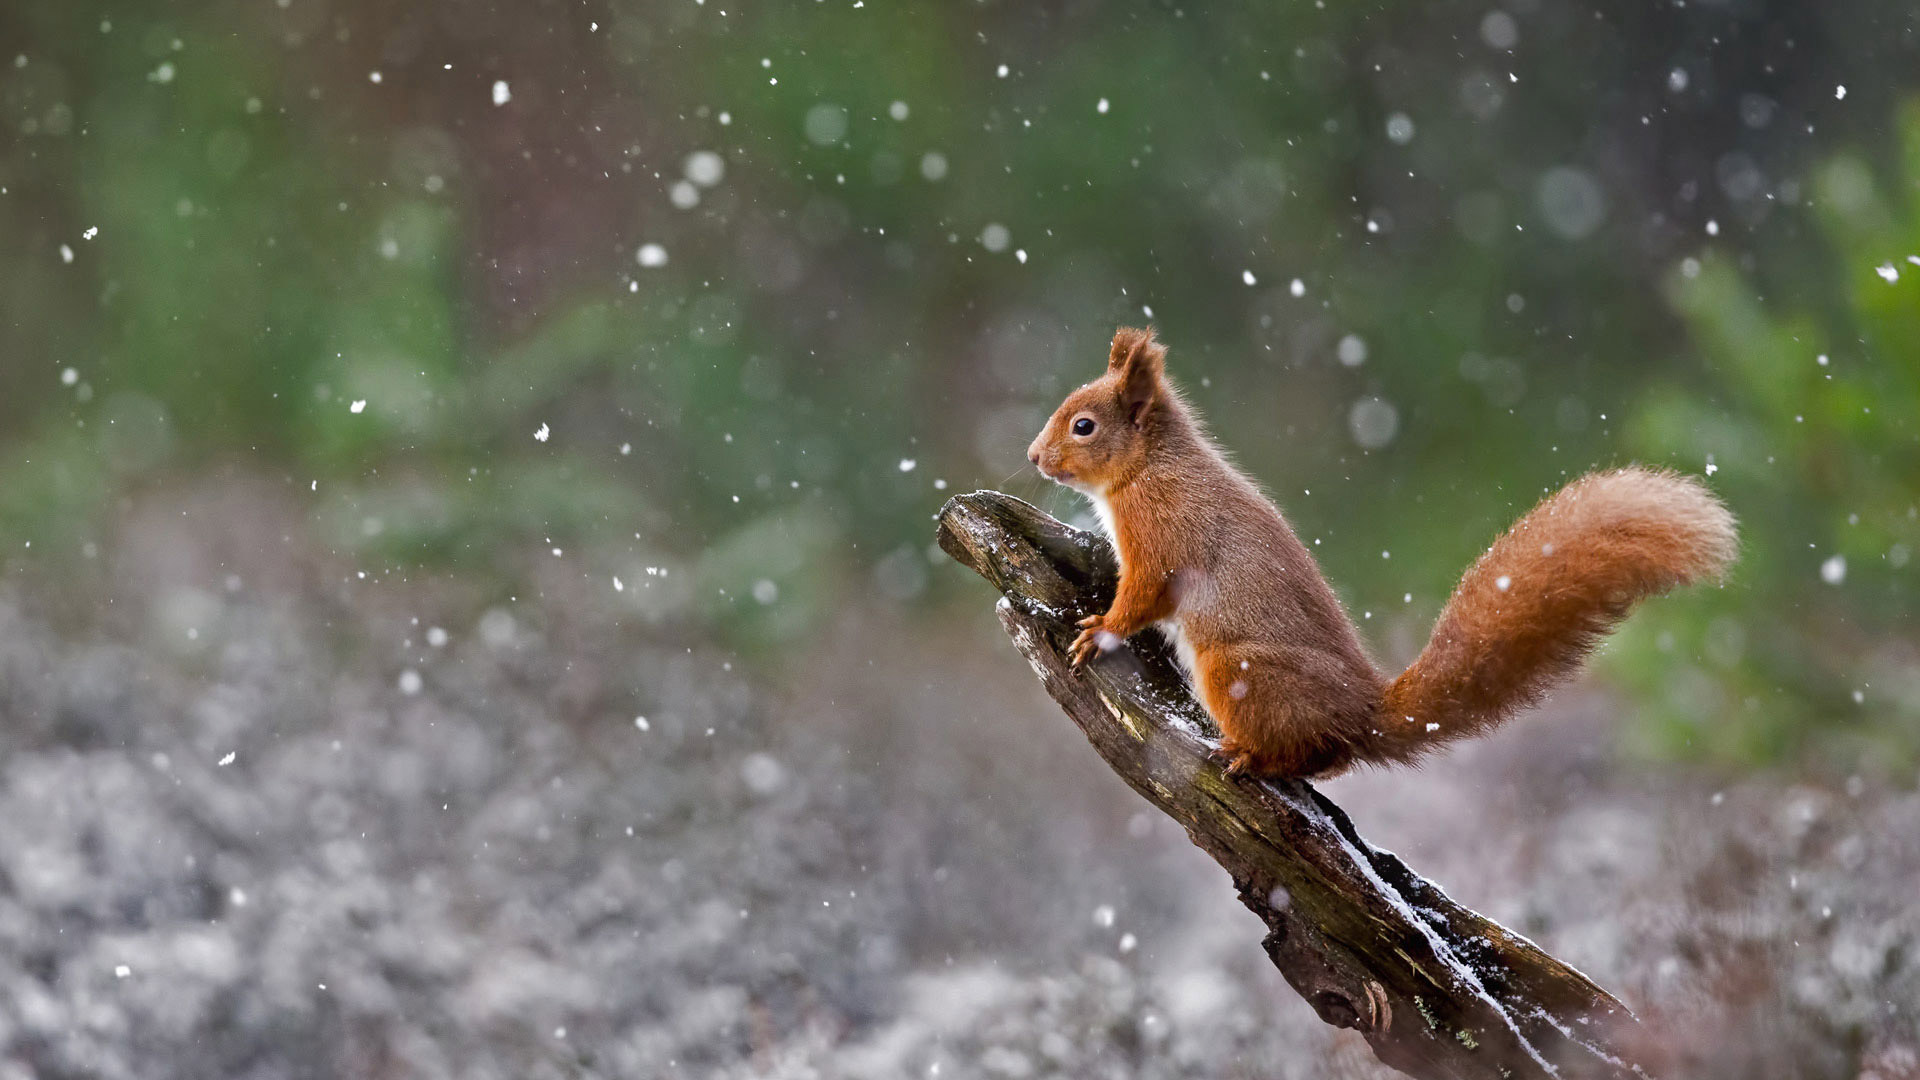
1531	608
1270	652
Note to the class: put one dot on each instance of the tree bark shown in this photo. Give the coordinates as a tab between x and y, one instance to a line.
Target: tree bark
1437	990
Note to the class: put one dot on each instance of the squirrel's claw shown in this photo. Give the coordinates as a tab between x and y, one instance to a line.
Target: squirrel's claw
1082	650
1234	759
1087	644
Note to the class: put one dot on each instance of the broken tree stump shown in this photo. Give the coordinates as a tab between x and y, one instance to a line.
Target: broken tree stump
1437	990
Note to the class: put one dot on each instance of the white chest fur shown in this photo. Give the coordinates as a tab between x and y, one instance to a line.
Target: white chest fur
1103	510
1182	648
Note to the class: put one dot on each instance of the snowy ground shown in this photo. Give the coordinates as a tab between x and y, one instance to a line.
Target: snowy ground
255	823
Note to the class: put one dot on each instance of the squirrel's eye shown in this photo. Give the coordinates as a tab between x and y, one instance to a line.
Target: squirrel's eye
1083	426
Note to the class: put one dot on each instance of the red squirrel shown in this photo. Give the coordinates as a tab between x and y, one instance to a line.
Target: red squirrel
1205	556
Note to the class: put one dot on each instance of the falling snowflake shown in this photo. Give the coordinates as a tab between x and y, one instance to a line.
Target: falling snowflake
1834	570
542	434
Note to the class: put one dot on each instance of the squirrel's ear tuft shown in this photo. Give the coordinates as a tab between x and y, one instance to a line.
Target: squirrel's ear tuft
1139	361
1132	345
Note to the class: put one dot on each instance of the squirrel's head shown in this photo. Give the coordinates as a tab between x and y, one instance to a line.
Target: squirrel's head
1098	438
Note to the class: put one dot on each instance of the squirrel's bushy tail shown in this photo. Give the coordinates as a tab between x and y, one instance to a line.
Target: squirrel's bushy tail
1532	607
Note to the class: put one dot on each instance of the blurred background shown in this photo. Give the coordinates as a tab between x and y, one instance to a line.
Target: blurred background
467	603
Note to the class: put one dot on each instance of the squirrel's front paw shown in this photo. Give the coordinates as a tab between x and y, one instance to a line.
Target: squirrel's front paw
1088	644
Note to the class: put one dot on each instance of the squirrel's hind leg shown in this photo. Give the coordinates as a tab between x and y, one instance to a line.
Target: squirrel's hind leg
1263	733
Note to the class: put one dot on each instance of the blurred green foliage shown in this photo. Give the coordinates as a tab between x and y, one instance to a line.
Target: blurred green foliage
1810	413
925	223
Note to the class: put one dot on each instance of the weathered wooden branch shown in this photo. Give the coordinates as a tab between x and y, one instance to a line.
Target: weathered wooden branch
1437	990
